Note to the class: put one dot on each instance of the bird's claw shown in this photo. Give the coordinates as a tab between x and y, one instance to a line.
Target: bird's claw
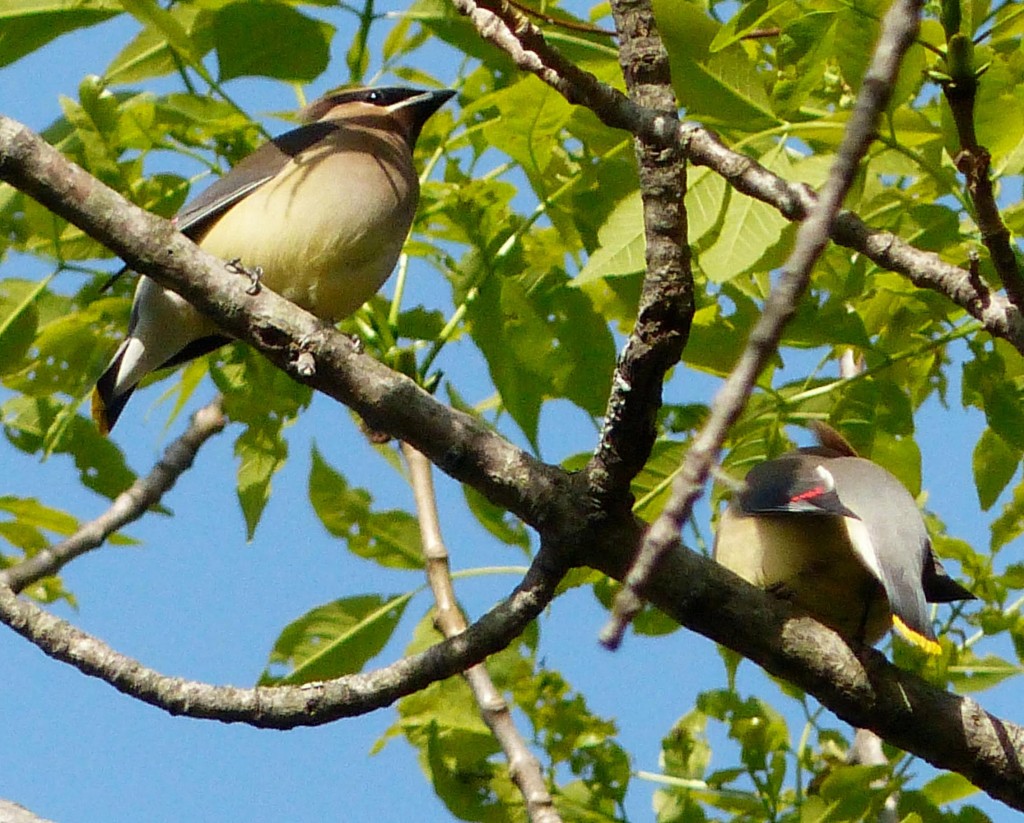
254	274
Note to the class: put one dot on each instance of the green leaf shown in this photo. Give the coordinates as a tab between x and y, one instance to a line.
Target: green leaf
855	44
266	400
1004	412
261	452
391	538
901	456
750	17
722	89
976	674
66	354
542	339
502	525
948	788
27	25
30	512
100	462
994	462
806	50
151	54
717	338
270	40
336	639
18	319
442	20
621	243
706	199
850	790
530	120
651	488
1009	525
151	14
749	230
998	116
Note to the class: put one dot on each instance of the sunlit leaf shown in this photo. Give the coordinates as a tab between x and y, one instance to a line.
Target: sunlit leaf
336	639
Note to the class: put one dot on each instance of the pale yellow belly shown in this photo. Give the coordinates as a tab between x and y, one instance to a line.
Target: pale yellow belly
807	560
320	241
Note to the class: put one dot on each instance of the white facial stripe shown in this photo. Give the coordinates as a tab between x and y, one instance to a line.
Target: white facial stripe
826	477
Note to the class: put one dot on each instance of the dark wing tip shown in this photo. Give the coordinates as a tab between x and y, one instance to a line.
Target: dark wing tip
939	587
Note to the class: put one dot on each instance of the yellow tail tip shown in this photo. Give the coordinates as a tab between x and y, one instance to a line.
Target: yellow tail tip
99	413
915	638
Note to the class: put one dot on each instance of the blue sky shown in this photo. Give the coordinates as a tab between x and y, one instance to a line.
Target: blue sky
195	600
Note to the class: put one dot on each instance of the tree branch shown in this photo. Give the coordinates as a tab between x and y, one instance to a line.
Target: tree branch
973	161
287	707
525	45
129	506
899	28
524	768
462	446
666	305
948	731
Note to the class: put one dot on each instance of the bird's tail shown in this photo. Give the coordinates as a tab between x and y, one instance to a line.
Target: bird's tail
108	398
924	640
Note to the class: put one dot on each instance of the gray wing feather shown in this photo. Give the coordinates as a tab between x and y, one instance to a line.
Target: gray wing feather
251	173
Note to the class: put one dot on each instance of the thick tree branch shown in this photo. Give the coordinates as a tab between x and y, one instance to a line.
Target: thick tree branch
666	305
949	731
459	444
862	687
129	506
899	28
525	45
524	769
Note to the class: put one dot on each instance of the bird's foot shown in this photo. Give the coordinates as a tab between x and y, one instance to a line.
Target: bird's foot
780	590
254	274
357	343
304	362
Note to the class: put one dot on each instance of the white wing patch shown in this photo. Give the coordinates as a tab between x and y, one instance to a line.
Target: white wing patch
862	546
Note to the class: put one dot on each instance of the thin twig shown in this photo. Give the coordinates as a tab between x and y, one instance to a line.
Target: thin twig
974	162
13	813
867	751
561	22
127	507
898	31
524	769
287	707
505	28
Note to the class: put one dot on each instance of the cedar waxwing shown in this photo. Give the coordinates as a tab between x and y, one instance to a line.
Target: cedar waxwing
842	539
319	214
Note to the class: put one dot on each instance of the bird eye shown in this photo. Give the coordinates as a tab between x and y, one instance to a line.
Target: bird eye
374	97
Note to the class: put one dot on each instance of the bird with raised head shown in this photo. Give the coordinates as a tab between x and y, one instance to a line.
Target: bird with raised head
319	214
